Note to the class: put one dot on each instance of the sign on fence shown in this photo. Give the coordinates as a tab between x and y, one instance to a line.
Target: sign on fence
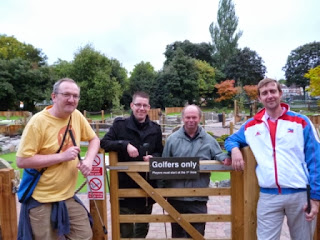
96	179
174	168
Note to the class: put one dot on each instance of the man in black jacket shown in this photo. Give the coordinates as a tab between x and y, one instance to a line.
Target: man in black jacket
136	138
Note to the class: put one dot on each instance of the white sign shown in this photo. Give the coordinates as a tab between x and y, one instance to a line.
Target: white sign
96	179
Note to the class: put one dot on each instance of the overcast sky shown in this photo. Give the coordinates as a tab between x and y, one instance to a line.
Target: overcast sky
132	31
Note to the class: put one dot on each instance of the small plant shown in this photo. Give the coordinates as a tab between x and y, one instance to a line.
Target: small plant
210	133
222	138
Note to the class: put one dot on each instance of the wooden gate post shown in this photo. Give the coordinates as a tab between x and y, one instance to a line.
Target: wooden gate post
237	203
8	208
101	206
114	196
251	194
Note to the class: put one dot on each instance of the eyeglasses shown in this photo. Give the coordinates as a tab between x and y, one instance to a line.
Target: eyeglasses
69	95
139	105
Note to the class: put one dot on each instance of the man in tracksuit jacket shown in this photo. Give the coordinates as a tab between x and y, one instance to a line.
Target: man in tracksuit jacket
136	138
287	150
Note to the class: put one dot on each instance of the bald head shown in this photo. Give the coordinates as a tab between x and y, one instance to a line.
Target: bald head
192	106
191	116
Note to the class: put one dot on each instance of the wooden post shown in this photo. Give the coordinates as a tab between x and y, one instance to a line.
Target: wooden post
114	200
235	111
101	206
223	119
231	128
8	208
85	113
102	115
251	194
203	120
97	128
163	123
237	203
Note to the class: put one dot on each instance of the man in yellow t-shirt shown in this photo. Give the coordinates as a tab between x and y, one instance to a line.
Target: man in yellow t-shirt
54	193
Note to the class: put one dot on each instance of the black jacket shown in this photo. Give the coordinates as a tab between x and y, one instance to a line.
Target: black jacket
129	130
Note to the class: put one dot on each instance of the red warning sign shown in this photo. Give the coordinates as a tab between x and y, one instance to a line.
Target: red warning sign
96	161
95	184
96	179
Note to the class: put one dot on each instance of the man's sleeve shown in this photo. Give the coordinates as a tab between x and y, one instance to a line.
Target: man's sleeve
159	146
166	150
237	139
312	158
110	141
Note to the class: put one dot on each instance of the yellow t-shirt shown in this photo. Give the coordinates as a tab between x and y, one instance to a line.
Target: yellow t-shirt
43	135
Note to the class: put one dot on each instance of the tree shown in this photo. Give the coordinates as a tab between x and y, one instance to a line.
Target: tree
11	48
226	90
245	67
206	80
100	83
177	82
251	91
314	76
299	62
202	51
19	81
142	78
62	69
282	81
223	33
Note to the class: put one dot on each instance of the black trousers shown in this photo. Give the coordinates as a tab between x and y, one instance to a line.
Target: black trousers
135	230
188	207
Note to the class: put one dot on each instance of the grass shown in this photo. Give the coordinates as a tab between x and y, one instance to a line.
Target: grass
219	176
11	118
11	158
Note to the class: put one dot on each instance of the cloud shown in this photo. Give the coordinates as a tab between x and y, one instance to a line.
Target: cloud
135	31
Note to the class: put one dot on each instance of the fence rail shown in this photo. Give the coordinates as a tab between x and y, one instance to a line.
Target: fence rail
243	192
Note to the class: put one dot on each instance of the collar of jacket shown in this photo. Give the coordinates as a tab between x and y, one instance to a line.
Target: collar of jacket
200	133
260	115
135	125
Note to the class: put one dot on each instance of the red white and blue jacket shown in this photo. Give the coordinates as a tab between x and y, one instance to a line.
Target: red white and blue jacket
291	161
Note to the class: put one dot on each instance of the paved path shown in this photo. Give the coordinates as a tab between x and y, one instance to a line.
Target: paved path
216	205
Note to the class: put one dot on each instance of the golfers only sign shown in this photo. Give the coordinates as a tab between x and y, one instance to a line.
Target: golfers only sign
174	168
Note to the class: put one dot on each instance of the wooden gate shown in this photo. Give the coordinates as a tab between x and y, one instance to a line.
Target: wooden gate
243	191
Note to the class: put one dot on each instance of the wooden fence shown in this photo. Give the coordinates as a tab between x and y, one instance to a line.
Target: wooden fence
155	114
8	208
315	119
9	114
169	110
243	194
11	130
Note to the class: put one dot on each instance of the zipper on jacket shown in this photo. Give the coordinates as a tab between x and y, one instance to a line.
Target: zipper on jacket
273	128
276	170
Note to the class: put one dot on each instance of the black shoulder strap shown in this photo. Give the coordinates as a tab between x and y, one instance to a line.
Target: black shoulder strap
64	136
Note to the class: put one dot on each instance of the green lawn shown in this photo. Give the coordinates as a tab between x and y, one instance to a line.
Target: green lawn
219	176
11	118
